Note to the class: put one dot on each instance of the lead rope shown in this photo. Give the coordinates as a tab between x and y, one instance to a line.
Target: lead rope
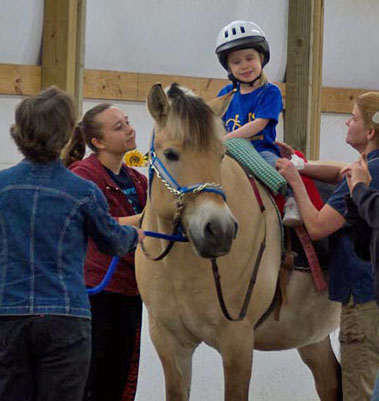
176	224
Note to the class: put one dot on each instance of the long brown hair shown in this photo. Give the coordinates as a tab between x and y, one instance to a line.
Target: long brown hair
43	124
83	133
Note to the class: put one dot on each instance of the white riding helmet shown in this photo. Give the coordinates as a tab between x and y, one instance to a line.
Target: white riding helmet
241	35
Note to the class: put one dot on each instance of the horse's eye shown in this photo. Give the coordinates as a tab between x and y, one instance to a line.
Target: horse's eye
171	155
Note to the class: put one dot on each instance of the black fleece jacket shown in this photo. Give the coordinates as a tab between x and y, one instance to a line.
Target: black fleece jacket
362	225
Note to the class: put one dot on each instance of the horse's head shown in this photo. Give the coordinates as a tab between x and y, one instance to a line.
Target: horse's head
186	154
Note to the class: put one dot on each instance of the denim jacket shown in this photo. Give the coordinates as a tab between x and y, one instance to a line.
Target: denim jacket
46	216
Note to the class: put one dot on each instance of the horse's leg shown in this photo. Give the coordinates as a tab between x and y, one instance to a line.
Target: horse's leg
326	370
237	357
176	359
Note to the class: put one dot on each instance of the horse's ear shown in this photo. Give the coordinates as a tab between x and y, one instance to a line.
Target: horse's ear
157	104
219	105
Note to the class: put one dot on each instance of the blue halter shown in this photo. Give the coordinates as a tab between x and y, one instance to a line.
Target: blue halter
156	165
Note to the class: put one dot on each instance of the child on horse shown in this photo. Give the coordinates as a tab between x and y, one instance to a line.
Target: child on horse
253	113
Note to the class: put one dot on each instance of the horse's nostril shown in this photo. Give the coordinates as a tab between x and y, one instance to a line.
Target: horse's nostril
235	229
208	229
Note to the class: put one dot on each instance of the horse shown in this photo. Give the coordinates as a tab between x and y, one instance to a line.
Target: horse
199	193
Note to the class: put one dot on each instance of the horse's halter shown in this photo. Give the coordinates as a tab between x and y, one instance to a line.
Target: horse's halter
156	166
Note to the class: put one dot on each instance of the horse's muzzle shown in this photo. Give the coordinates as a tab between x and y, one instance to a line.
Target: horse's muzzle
213	236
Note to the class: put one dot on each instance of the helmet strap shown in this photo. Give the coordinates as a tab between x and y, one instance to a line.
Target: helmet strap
235	81
254	80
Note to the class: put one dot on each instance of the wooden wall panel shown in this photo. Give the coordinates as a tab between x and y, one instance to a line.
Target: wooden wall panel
16	79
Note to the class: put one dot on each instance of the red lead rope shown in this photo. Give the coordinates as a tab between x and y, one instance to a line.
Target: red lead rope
317	274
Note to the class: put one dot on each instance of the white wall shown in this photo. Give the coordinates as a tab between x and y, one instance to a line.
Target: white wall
178	37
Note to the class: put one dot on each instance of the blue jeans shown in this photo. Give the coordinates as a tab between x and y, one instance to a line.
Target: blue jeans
271	159
43	357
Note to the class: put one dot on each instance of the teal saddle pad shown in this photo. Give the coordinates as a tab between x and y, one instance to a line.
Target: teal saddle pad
245	154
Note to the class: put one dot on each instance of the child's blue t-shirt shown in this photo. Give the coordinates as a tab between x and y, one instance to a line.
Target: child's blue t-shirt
264	102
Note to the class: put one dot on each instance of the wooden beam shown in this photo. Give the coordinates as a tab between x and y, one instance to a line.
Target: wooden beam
80	48
304	75
316	79
17	79
63	46
134	86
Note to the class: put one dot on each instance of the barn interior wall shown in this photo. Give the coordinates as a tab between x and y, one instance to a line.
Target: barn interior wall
178	37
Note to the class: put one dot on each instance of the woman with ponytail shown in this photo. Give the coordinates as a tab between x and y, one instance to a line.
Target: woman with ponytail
116	311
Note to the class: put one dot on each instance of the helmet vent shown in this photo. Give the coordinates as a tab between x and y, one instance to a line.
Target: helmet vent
242	29
234	31
226	34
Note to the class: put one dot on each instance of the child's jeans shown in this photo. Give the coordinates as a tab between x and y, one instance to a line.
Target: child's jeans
271	159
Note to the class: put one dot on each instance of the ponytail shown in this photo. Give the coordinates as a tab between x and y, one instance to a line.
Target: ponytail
76	147
83	134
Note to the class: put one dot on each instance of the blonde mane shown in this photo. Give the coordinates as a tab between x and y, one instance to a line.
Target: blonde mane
191	120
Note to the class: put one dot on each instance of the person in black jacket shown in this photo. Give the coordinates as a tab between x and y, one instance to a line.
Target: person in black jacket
362	217
362	220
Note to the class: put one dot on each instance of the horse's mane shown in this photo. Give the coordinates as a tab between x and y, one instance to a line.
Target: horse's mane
191	120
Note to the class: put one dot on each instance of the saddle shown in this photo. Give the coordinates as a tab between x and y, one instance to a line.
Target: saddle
298	249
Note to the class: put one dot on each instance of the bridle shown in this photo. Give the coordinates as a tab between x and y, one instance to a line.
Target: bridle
157	167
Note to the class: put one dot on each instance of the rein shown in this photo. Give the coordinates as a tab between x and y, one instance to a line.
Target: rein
254	273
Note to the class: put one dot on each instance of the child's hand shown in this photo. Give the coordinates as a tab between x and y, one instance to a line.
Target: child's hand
285	149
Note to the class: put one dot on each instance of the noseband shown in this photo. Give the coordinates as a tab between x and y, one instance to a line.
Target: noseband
156	165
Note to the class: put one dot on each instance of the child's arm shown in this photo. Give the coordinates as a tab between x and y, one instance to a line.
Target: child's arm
249	129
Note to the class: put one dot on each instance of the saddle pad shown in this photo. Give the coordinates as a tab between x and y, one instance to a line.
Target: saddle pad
245	154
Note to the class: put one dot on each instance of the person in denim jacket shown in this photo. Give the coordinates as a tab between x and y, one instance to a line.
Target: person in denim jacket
47	214
351	278
116	311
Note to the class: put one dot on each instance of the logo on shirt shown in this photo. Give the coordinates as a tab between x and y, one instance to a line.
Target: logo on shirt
234	123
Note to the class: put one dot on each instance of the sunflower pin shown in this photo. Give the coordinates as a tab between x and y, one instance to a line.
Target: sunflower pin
135	158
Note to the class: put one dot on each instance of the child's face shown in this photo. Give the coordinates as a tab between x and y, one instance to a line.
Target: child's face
245	64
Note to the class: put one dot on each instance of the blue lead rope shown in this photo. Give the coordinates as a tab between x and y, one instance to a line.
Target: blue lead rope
112	266
106	279
177	238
